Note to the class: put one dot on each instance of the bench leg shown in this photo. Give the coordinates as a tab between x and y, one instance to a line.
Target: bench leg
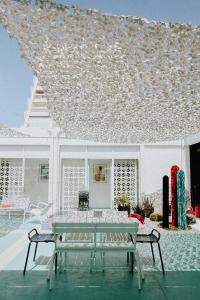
141	267
56	262
132	261
104	260
60	261
138	269
65	260
92	260
128	259
50	273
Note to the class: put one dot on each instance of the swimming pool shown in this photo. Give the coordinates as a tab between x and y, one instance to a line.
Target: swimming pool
9	224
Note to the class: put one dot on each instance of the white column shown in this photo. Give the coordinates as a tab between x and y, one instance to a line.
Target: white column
23	170
141	171
112	184
86	175
51	163
54	174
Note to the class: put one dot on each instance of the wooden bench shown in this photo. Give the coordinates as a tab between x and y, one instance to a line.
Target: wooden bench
96	238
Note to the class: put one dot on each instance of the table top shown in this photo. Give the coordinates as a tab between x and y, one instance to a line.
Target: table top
94	216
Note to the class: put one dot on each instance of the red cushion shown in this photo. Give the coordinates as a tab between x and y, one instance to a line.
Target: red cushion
5	205
137	216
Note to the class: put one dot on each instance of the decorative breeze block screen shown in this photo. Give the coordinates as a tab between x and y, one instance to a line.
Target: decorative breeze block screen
11	178
73	182
125	179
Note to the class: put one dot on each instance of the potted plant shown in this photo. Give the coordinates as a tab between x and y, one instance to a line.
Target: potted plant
122	203
147	206
139	210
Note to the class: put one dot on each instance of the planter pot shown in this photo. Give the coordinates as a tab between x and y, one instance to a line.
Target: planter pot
148	211
124	208
140	211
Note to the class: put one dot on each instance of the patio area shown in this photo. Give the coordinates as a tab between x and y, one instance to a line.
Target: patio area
181	256
180	249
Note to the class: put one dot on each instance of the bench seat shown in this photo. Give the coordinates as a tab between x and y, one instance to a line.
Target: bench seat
114	246
75	246
96	238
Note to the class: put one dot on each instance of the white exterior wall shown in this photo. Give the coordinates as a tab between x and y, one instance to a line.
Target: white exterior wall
154	161
35	187
33	152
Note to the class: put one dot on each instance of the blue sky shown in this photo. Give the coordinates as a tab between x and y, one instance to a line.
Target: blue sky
16	76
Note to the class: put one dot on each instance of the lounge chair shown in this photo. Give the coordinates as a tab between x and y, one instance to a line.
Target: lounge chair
15	206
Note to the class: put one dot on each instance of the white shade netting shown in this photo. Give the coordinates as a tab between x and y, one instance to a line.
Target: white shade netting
110	78
8	132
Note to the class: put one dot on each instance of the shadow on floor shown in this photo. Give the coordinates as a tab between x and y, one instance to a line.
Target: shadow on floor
111	285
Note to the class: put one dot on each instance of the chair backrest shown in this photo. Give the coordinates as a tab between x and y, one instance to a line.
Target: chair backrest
18	202
22	202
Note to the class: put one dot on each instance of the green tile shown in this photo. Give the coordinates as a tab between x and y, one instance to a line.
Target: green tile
109	285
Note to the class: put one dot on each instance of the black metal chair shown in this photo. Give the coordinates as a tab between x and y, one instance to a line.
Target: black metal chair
151	238
35	237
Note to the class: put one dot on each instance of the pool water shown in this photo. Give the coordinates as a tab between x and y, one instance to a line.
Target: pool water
9	224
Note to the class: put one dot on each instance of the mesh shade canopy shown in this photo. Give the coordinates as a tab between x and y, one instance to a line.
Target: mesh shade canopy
110	78
8	132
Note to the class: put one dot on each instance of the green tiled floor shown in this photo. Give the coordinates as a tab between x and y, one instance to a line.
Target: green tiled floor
111	285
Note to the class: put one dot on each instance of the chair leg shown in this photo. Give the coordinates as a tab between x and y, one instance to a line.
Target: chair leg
152	252
92	260
104	260
35	251
138	269
27	255
50	274
56	262
161	260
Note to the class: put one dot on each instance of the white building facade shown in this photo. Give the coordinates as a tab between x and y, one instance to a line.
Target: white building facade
54	170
